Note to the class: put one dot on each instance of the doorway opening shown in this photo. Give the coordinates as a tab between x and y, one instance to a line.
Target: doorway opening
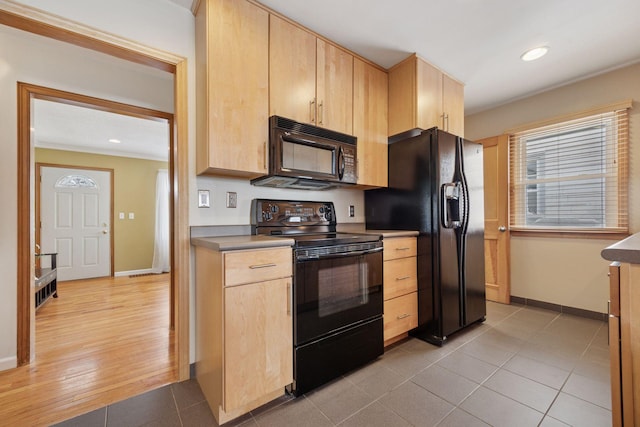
28	95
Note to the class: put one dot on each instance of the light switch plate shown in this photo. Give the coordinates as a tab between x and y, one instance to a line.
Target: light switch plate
232	199
203	199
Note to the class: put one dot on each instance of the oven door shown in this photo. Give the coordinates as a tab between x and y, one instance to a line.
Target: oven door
336	287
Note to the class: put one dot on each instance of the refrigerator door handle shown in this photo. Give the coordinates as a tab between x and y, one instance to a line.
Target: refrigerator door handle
450	199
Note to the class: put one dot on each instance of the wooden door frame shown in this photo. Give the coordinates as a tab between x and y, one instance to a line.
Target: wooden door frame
48	25
38	203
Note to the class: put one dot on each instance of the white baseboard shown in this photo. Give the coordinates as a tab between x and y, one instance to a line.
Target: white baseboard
8	363
132	272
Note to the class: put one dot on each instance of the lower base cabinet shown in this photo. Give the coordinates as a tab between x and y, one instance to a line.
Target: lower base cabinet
244	325
400	288
624	343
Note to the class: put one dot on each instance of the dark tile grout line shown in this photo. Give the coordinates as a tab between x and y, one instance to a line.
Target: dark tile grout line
175	402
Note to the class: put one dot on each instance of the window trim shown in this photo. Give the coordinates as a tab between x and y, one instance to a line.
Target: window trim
623	175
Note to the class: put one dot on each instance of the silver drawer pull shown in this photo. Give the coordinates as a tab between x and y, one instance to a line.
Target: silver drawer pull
403	316
253	267
402	278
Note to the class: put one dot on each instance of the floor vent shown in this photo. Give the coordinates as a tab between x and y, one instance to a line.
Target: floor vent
141	274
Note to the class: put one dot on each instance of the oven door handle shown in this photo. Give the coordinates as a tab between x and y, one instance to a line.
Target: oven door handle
338	255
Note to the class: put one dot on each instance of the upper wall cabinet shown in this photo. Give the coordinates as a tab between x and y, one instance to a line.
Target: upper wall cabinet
232	75
421	96
370	123
311	80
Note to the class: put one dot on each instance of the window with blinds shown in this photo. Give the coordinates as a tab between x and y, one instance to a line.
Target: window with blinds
571	176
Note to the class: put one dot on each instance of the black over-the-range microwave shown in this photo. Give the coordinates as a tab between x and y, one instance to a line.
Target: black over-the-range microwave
308	157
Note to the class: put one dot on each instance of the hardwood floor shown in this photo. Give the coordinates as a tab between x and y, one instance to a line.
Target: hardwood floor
101	341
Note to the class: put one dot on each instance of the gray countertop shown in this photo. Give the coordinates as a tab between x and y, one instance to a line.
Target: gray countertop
230	243
226	242
627	250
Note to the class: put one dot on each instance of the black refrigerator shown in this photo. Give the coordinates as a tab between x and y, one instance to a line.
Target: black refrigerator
436	188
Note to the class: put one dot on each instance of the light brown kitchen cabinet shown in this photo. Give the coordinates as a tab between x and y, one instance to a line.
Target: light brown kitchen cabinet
624	343
370	108
244	342
400	287
232	77
311	80
422	96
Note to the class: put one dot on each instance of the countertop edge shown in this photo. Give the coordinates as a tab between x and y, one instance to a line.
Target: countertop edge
393	233
627	250
230	243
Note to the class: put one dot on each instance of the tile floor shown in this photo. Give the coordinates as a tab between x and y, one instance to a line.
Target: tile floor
523	367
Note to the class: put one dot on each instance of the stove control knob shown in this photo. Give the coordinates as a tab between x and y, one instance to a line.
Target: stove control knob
273	208
266	215
327	213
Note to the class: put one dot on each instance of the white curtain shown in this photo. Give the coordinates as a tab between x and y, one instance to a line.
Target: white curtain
161	261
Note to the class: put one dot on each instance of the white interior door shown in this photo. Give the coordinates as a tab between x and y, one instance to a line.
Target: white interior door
75	215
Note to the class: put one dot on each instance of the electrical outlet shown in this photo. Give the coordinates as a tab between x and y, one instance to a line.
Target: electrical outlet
352	211
232	199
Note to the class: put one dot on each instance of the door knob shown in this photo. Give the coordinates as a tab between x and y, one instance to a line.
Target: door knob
104	231
502	228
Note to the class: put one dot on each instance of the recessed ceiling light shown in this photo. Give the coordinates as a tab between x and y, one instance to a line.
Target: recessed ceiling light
115	141
535	53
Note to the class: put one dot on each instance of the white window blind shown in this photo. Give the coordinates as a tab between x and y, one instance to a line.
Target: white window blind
571	176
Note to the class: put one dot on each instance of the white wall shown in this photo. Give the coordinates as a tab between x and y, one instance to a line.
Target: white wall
565	271
156	23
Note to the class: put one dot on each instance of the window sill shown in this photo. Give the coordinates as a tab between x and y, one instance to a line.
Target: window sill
574	234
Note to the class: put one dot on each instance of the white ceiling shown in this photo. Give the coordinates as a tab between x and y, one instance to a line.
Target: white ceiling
478	42
68	127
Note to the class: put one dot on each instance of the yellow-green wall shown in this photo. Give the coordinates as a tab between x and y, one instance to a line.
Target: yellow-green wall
134	191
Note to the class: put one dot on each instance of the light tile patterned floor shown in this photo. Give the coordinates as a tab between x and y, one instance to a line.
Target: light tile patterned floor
523	367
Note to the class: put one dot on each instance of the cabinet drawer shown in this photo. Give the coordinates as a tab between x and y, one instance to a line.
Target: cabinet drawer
400	315
400	277
256	266
399	247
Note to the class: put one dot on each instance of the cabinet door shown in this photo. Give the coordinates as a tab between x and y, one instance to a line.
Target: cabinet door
232	64
429	96
402	96
258	341
334	88
370	101
453	105
292	71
